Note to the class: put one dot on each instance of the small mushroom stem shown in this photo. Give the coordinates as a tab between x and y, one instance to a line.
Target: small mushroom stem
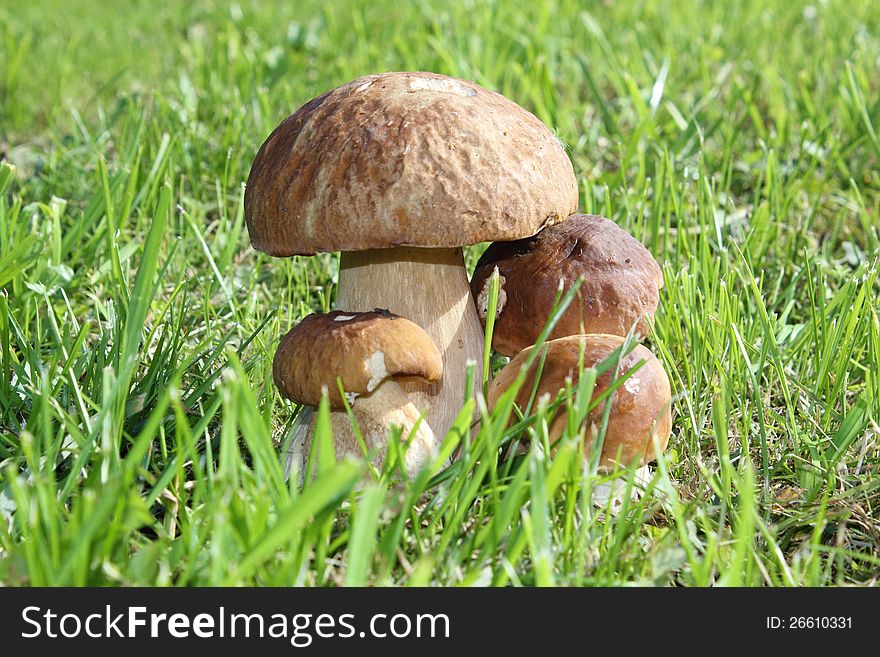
387	406
428	287
609	494
376	412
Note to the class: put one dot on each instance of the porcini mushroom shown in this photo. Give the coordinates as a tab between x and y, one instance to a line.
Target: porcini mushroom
398	171
640	416
370	353
620	290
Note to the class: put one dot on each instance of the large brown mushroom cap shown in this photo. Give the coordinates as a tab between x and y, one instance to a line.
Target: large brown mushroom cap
640	406
620	289
406	159
362	349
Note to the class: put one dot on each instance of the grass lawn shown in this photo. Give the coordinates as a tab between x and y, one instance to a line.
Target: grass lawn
141	436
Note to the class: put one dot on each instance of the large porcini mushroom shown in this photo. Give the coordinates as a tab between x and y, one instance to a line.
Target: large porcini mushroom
399	171
369	352
640	418
620	289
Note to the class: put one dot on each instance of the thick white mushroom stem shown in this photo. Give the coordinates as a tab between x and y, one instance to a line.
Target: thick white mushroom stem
385	407
376	413
428	287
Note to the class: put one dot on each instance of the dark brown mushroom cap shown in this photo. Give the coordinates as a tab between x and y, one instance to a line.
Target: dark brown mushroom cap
406	159
640	406
621	285
362	349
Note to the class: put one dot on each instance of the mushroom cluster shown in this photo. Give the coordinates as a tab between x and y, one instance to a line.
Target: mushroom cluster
398	171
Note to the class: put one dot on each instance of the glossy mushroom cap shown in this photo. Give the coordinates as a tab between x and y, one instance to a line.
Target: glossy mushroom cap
406	159
362	349
621	285
640	406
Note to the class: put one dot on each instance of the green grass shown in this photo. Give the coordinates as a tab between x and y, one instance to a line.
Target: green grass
140	430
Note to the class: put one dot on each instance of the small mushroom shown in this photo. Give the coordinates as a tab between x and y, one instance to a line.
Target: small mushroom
370	353
398	171
640	407
621	285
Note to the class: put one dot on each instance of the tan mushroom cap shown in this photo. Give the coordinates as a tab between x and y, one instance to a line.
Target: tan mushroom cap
640	406
621	285
406	159
362	349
